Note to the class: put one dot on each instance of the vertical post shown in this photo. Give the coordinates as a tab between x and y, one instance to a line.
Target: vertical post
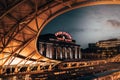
50	67
1	70
27	77
69	65
28	68
14	78
16	69
77	65
38	68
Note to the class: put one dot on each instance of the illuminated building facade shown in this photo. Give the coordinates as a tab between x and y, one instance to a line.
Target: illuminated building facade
108	43
102	49
109	47
59	46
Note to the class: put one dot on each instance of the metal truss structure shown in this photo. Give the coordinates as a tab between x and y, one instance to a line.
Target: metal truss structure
112	76
21	22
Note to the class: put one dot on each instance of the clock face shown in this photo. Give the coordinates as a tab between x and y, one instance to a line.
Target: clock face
63	36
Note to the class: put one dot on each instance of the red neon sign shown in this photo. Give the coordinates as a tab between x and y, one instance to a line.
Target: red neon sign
63	36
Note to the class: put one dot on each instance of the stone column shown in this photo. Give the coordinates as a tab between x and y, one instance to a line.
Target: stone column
44	51
65	53
47	50
61	53
54	53
68	53
40	48
50	50
71	53
79	52
76	53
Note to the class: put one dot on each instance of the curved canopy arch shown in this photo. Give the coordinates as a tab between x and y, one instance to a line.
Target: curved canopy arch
21	21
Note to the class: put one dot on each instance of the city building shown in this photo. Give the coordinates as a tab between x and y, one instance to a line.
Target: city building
109	47
59	46
102	49
108	43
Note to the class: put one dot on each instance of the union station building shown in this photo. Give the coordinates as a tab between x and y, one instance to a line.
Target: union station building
59	46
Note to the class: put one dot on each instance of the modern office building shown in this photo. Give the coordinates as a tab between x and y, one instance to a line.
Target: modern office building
102	49
109	47
108	43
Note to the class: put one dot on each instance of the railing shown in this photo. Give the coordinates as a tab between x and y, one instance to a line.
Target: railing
13	70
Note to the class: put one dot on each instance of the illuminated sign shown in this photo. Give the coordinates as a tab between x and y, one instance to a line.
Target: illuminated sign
63	36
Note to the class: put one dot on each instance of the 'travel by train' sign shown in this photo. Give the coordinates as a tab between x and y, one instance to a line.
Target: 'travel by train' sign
63	36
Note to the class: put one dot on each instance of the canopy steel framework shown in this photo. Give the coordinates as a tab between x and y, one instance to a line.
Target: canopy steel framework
21	22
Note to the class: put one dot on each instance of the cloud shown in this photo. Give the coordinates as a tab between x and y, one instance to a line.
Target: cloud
75	29
114	23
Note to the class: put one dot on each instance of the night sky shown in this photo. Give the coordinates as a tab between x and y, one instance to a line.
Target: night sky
88	24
